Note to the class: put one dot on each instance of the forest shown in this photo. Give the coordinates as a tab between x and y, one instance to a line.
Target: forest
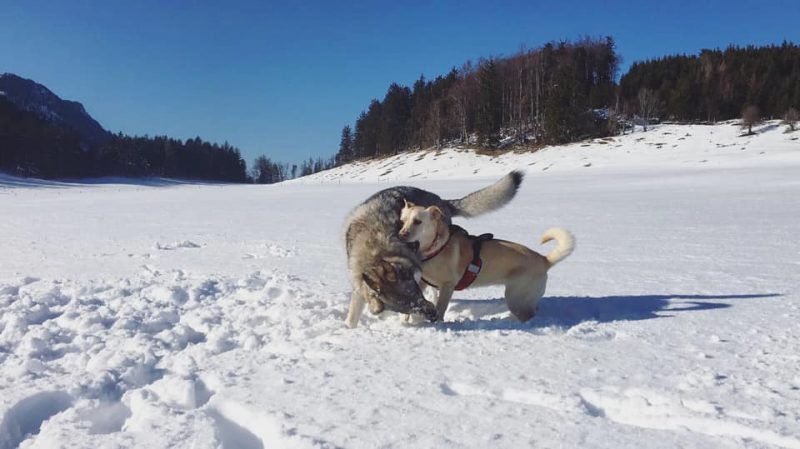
568	91
31	146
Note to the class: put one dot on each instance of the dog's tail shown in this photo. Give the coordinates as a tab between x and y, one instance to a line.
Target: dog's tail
565	244
489	198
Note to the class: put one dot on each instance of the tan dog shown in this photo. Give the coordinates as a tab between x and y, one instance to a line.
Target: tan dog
447	253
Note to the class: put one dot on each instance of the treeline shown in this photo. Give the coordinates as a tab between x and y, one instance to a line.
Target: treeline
717	84
266	171
547	94
31	146
170	158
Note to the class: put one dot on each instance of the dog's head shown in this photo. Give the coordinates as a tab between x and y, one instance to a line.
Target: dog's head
419	223
393	285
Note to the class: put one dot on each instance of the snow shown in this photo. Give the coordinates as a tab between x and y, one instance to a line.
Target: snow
687	148
159	314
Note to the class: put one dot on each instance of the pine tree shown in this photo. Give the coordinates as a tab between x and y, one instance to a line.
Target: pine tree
345	153
395	114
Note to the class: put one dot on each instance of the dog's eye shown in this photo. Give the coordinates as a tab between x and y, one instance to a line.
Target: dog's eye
416	222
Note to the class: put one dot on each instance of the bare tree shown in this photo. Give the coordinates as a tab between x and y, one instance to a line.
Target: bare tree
647	105
461	94
791	118
750	117
434	124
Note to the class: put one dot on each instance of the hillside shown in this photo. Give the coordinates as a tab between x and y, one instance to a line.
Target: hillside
663	147
33	97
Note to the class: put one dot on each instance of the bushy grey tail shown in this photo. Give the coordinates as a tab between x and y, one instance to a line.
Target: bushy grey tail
489	198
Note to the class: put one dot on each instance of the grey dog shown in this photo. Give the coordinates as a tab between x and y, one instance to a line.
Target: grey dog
384	270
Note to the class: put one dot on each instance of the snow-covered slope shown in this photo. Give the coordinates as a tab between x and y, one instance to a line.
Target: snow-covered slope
160	314
681	147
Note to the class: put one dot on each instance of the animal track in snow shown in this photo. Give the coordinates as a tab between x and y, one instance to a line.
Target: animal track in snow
272	250
645	409
185	244
538	398
233	435
25	418
239	427
106	417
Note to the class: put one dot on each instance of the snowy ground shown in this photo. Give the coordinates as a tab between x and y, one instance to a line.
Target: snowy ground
161	314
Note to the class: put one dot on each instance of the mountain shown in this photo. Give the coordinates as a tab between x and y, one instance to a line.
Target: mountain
33	97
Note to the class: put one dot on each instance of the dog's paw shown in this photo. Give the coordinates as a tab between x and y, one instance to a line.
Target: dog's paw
428	310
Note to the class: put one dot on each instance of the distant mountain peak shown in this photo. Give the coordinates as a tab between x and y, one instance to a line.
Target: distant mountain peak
34	97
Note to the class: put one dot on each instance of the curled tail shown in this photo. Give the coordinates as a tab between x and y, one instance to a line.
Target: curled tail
565	244
489	198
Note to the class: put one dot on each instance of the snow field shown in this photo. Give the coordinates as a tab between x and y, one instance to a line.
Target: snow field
210	316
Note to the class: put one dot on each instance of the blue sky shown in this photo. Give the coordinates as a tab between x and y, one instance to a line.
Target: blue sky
282	78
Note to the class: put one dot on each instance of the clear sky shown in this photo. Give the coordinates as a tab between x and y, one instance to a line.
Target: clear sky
282	78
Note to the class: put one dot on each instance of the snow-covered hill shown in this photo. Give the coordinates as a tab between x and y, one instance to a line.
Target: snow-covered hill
681	147
157	314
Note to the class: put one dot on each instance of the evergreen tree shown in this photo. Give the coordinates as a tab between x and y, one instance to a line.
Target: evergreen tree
395	114
345	153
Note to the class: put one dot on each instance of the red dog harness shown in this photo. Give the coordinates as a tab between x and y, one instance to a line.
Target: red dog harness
474	266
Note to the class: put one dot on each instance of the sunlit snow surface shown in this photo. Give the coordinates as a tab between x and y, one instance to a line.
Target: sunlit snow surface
153	313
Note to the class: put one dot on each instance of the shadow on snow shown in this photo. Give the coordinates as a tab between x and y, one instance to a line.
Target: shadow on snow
568	311
19	182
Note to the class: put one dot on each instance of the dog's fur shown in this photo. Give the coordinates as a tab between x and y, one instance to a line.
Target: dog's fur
384	270
522	270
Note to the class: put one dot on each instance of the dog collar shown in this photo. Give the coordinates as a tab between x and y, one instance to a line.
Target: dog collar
441	248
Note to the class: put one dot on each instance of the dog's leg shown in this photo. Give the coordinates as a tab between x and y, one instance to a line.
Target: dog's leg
523	294
357	304
445	293
430	292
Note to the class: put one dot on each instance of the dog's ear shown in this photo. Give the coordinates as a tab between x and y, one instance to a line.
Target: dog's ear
377	275
435	212
408	204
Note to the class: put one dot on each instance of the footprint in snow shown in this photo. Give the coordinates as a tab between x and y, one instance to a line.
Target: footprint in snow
186	244
646	409
24	419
